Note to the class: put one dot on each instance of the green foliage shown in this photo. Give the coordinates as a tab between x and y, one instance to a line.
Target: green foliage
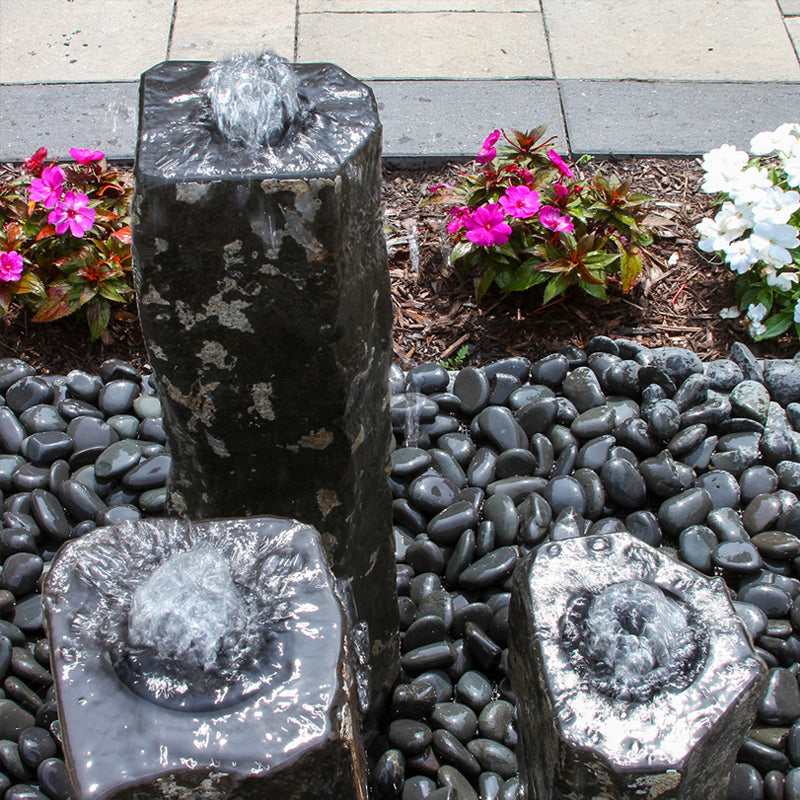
63	273
457	361
579	235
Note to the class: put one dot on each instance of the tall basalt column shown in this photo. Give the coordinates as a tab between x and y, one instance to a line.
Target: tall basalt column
264	299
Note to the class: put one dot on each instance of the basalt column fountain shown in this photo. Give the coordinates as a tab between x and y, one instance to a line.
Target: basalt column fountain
635	678
207	660
264	299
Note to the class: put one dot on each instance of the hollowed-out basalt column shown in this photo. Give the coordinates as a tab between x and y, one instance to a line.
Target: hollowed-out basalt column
264	300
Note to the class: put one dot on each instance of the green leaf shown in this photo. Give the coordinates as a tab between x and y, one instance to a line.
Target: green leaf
630	269
558	285
53	308
462	249
776	325
111	293
98	314
595	290
483	283
30	283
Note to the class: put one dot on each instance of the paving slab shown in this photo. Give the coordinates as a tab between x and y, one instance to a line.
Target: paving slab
101	116
81	40
791	8
429	121
678	40
206	30
793	26
416	5
462	45
671	118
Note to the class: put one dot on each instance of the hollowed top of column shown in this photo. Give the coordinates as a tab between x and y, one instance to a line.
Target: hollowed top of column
179	141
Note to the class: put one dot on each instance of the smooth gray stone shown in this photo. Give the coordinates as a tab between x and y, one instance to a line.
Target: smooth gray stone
117	514
495	720
754	618
463	555
740	557
518	366
583	389
115	369
500	510
594	422
750	399
447	466
515	462
600	361
458	445
494	756
13	370
788	475
83	386
678	362
410	409
777	545
723	374
761	512
644	526
472	388
542	449
623	483
727	525
781	703
692	391
565	462
49	514
457	718
684	509
409	736
427	657
595	452
664	419
713	411
474	689
418	788
635	434
782	378
622	378
27	392
59	472
481	469
490	786
117	396
147	406
413	700
20	574
42	417
561	438
153	501
757	480
117	459
722	487
9	464
403	513
91	433
152	430
451	751
447	526
407	461
517	487
502	386
696	545
126	426
498	425
492	568
567	524
529	393
563	492
550	370
593	491
16	540
13	720
771	599
535	516
451	777
424	555
29	477
745	783
35	745
12	434
148	474
687	439
427	378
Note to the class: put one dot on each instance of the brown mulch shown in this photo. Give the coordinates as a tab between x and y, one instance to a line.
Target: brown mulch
676	302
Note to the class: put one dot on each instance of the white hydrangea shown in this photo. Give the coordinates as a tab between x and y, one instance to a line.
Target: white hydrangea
749	186
776	206
722	166
740	255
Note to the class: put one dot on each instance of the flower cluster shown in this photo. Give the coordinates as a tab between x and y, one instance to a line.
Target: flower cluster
65	238
756	229
523	218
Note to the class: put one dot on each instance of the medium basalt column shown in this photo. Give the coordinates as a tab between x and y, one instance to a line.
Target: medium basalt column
264	300
635	678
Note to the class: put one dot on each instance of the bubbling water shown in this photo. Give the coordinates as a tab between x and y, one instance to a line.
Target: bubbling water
253	99
632	640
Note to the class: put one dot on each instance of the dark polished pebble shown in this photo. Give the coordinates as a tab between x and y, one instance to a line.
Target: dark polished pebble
12	434
409	736
481	647
451	778
151	429
45	447
29	477
761	756
451	751
745	783
413	700
28	614
494	757
684	509
623	483
772	600
472	388
550	370
687	439
492	568
431	656
20	573
463	555
457	718
388	774
429	493
722	487
148	474
781	703
42	417
447	526
35	745
27	392
774	785
117	396
762	512
26	667
777	545
13	720
49	514
737	556
754	618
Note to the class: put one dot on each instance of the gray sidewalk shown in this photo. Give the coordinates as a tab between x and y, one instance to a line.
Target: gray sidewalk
607	76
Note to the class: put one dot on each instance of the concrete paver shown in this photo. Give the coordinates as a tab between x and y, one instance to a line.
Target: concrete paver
427	44
207	30
790	8
677	40
672	117
339	6
81	40
793	26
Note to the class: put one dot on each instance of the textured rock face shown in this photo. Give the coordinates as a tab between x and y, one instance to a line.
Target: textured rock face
273	712
634	676
264	300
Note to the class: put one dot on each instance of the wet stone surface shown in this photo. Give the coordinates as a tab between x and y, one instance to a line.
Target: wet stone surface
468	532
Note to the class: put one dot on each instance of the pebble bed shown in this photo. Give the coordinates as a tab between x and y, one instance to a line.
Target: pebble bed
702	460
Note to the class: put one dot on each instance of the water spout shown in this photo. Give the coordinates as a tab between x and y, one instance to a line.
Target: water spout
253	99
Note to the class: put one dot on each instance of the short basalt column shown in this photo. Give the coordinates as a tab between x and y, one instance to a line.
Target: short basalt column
264	300
634	676
204	660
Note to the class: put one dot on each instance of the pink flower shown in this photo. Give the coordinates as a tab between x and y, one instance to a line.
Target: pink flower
488	151
520	202
458	214
33	163
10	266
86	156
49	187
486	226
73	213
560	163
561	190
550	217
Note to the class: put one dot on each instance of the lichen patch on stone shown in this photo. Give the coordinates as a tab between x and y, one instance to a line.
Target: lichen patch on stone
327	500
316	440
199	401
214	353
191	191
262	404
232	253
153	297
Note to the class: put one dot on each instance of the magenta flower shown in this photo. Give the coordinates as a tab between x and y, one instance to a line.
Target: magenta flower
561	190
86	156
458	216
73	213
49	187
551	219
10	266
486	226
488	151
520	202
560	163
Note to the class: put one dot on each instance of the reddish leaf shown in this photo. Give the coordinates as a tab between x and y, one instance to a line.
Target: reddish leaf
47	230
123	234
